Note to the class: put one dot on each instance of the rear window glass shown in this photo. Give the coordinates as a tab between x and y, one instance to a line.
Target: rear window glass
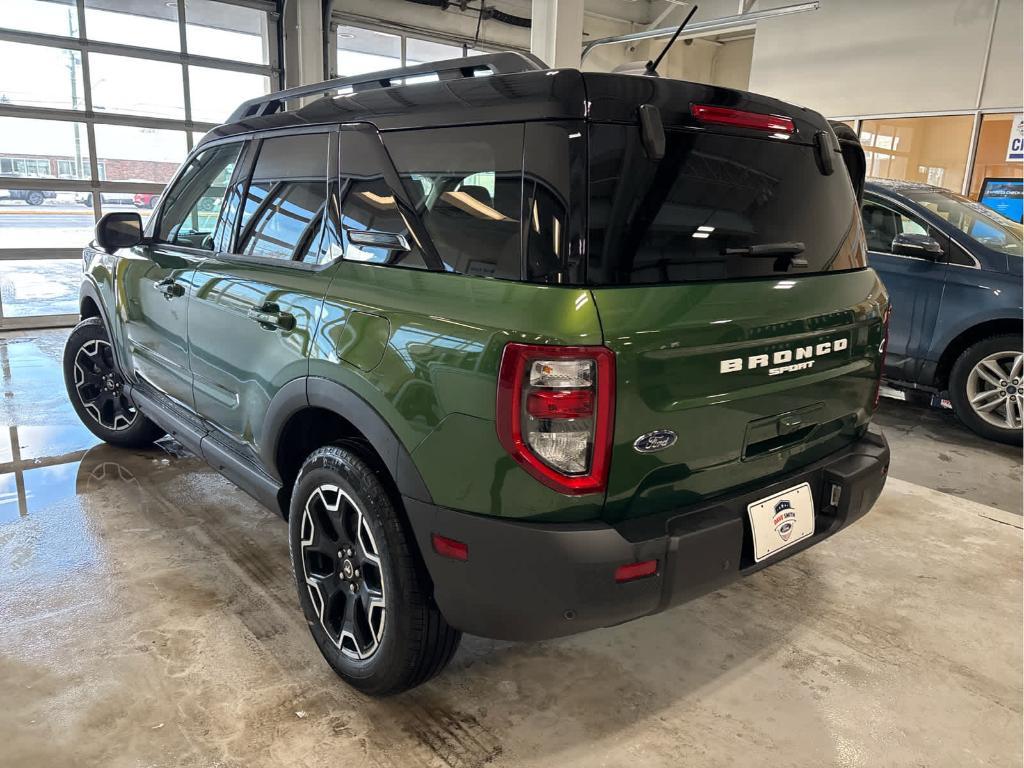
466	186
692	216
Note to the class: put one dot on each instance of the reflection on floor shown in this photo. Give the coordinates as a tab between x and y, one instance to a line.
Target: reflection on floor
148	617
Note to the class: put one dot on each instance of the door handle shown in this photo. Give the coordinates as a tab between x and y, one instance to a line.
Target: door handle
270	317
170	289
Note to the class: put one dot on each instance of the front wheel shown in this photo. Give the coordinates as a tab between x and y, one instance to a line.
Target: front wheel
986	388
96	389
35	198
364	592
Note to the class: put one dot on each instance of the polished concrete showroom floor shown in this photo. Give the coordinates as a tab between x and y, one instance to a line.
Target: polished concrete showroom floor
148	618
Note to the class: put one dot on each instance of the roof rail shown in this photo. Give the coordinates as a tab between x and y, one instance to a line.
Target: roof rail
504	63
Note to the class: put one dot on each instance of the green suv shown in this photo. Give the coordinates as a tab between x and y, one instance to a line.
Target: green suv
516	352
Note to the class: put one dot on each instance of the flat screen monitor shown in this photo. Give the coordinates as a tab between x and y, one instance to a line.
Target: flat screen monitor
1004	196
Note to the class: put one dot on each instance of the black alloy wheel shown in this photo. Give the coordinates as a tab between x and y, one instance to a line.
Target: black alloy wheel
97	390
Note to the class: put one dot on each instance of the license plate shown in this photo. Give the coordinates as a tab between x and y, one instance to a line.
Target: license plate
781	520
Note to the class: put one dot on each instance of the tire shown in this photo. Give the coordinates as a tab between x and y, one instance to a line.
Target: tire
153	201
95	389
387	635
987	403
35	198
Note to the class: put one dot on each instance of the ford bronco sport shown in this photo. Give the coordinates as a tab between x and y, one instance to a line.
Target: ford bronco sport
517	352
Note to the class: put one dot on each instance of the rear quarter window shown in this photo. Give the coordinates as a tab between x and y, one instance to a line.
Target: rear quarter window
466	185
672	221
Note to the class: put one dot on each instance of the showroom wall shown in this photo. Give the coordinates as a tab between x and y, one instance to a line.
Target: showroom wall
851	58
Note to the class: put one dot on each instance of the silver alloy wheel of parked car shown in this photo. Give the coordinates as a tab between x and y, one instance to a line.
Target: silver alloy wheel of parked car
100	388
995	389
342	570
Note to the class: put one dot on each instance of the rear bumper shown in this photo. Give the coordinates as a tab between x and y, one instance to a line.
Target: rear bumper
532	581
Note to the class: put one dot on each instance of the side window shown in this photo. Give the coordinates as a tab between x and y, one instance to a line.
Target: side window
193	204
372	228
881	225
466	185
284	205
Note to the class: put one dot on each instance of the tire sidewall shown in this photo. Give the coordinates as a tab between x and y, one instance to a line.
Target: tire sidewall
958	386
336	466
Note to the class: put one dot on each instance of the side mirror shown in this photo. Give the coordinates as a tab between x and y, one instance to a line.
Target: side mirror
118	229
921	246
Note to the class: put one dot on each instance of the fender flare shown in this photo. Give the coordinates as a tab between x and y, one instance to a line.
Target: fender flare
317	392
89	290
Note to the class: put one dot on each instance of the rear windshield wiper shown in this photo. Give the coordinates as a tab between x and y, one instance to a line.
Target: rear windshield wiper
785	254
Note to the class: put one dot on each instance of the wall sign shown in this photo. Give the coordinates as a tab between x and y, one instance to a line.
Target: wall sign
1015	149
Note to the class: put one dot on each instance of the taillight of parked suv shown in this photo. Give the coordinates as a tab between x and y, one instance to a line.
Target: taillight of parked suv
555	410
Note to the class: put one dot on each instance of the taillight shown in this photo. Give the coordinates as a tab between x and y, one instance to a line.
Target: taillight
757	121
882	349
555	410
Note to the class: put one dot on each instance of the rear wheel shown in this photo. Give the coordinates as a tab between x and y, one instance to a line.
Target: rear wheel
35	198
96	389
986	387
365	594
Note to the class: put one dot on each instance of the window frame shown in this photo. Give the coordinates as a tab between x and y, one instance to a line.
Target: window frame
94	180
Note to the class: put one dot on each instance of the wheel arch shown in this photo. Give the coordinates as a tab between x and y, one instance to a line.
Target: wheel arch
311	412
955	347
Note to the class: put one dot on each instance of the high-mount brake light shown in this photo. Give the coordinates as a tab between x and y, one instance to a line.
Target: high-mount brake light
737	118
883	349
554	413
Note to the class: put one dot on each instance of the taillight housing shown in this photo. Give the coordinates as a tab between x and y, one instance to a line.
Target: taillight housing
555	413
882	349
758	121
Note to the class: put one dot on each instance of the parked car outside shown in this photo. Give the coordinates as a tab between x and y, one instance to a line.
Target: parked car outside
146	199
520	360
953	270
29	196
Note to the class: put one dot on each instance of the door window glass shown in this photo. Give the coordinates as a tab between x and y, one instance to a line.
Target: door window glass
290	223
466	185
881	225
284	205
193	204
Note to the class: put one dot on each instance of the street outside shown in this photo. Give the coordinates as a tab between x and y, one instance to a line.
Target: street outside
46	286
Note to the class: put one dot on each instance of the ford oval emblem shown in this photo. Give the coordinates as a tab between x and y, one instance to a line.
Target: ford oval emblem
658	440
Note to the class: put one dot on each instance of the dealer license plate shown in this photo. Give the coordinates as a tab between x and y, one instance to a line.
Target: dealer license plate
781	520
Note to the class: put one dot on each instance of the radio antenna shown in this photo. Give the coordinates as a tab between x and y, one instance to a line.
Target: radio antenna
652	66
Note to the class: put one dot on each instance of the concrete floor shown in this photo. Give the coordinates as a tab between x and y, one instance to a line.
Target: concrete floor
148	618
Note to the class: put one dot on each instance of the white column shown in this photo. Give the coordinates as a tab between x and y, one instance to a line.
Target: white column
556	33
303	42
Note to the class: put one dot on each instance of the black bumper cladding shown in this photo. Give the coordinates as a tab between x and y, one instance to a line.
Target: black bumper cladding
532	581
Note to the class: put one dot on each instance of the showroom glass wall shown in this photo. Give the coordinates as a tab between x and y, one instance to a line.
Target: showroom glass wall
361	50
955	151
100	100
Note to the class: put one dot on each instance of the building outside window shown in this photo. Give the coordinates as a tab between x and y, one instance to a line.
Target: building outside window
154	80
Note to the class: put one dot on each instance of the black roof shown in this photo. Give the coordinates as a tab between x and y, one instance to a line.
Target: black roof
533	94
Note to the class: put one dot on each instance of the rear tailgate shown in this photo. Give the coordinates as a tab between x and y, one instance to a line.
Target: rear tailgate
755	379
758	365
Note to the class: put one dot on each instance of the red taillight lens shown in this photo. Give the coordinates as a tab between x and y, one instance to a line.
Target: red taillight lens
560	404
883	348
755	120
446	547
636	570
554	413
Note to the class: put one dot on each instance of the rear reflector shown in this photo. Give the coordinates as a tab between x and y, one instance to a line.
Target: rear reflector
446	547
757	121
636	570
